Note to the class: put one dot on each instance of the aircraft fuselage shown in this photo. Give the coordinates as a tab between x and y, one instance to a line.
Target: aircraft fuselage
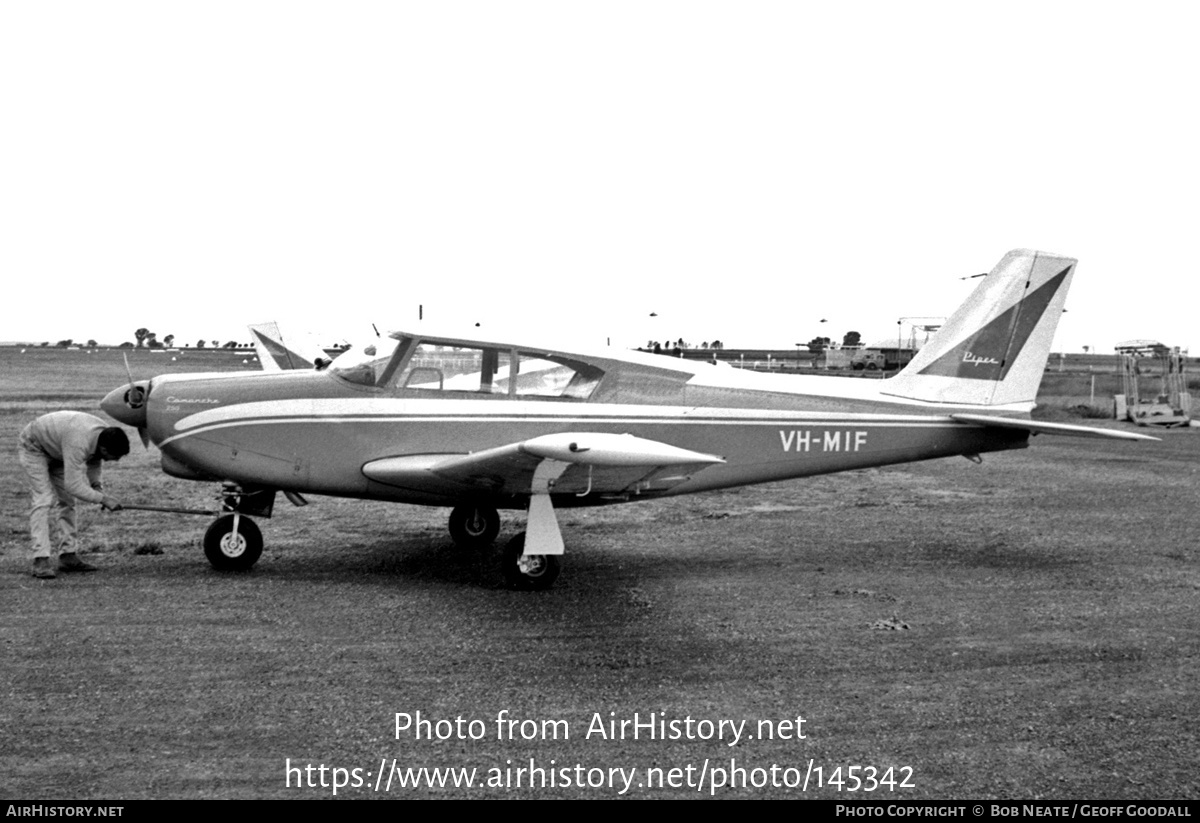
314	432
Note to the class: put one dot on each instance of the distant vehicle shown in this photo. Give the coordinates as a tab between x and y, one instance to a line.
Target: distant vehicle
880	359
869	360
1146	361
483	425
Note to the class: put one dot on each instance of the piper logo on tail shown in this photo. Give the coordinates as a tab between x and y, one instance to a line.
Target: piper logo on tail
970	357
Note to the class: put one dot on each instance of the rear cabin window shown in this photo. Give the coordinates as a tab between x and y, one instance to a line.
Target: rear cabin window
538	375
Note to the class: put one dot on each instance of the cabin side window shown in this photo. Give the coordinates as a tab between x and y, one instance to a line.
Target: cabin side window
549	375
445	367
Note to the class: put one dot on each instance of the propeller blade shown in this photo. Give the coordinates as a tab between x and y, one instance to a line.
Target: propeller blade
135	395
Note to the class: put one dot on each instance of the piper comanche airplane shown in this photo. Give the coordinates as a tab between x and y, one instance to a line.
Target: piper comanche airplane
483	426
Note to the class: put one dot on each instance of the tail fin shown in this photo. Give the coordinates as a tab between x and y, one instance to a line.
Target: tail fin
273	353
993	350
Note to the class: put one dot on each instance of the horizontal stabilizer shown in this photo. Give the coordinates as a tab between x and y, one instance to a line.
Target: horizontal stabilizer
1038	427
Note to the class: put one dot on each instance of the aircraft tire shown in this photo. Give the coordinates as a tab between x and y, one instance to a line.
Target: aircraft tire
229	551
535	572
474	526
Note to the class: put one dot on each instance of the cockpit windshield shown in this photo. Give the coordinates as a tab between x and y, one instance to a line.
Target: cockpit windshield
367	365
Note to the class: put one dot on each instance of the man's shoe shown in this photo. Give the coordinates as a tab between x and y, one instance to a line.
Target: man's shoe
41	568
70	562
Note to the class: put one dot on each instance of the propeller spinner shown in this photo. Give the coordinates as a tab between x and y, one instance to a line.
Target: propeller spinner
127	404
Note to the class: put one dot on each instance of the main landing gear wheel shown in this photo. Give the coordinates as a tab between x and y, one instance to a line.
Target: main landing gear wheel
531	572
228	550
474	526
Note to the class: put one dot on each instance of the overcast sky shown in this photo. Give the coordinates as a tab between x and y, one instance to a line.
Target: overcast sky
743	170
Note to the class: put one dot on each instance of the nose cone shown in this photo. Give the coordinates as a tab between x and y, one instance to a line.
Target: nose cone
127	404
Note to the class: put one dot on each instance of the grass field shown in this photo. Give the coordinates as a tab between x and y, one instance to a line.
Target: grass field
1027	628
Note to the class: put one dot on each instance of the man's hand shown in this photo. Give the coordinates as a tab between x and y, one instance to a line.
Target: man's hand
110	504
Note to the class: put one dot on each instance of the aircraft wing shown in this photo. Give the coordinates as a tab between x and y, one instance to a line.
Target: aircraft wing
583	463
1039	427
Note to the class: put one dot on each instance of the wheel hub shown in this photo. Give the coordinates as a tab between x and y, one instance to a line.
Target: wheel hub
233	544
532	565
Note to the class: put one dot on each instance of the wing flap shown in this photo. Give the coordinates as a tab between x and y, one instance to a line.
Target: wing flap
1040	427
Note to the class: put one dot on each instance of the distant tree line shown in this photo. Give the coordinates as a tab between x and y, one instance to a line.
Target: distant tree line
816	345
679	345
62	344
145	339
149	340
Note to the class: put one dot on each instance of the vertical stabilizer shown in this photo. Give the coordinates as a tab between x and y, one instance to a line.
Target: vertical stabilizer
993	350
273	353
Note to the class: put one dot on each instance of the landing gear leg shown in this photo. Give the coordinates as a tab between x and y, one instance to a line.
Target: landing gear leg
530	561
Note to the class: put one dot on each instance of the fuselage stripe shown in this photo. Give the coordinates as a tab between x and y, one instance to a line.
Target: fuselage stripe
642	421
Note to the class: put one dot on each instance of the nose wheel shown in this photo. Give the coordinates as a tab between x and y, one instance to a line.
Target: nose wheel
233	543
